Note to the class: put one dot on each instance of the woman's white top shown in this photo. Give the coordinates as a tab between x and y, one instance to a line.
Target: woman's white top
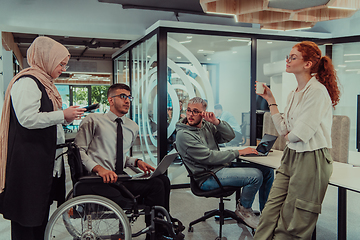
307	118
25	97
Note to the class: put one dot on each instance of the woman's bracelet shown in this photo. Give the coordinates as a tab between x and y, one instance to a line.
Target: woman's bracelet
272	104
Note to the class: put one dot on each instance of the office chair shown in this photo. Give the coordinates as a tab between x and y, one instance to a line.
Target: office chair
340	132
221	193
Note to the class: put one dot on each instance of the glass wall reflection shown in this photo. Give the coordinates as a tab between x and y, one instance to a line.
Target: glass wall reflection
144	105
121	66
215	68
346	60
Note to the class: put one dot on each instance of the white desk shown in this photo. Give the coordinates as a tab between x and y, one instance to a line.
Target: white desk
345	177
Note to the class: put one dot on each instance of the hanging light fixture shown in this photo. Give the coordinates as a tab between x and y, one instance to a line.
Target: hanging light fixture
282	14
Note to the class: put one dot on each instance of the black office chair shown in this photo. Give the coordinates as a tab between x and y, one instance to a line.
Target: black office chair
221	193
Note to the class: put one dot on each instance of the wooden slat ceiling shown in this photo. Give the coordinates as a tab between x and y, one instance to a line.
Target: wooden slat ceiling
283	14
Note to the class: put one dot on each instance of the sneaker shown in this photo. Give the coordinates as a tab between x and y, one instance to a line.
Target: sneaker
247	215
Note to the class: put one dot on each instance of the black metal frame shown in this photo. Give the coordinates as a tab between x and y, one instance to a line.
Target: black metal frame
162	93
162	90
162	71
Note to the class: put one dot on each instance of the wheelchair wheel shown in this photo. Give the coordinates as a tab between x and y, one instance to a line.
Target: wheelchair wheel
88	217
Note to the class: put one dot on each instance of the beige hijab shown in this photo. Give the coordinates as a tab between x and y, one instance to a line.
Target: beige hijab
43	56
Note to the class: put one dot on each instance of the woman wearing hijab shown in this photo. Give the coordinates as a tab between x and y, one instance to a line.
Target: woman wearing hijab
31	126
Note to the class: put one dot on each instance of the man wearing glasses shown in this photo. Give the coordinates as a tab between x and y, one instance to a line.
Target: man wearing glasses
97	139
197	139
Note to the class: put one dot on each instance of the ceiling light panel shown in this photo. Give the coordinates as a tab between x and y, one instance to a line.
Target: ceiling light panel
205	51
282	14
296	4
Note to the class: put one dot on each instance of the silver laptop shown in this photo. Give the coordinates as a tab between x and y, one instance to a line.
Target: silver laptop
160	169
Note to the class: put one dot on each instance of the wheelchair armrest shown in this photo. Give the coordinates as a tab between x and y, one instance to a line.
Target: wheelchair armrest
123	177
94	178
91	178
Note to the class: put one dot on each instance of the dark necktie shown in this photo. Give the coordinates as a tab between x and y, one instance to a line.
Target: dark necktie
119	148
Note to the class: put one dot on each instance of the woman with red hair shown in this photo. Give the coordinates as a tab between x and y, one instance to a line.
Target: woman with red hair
301	181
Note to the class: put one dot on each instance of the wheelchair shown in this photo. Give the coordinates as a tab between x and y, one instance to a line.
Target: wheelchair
93	217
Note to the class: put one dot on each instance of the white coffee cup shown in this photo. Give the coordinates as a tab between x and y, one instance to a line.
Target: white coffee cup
260	89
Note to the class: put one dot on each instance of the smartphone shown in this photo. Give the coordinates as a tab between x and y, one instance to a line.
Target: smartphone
91	107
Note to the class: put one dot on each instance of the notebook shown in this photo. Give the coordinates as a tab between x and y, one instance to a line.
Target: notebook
160	169
265	145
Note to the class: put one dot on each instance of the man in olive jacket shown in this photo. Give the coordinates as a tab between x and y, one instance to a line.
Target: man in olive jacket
197	139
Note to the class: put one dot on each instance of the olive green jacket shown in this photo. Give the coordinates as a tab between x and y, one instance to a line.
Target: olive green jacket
198	147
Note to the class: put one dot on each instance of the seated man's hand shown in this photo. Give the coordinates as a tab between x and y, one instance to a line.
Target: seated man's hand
247	151
145	167
210	117
107	175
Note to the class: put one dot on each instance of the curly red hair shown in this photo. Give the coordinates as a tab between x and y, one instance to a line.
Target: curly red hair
323	67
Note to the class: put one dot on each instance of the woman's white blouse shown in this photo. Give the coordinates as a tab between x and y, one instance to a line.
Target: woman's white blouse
25	97
307	118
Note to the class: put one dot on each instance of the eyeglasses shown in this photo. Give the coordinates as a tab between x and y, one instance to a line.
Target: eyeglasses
290	58
195	112
63	66
124	96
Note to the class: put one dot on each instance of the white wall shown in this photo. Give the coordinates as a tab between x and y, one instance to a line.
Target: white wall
234	85
8	67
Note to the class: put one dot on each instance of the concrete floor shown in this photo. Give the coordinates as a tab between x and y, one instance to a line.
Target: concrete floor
187	207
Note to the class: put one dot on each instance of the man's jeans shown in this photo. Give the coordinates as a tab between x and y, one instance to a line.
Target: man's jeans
250	176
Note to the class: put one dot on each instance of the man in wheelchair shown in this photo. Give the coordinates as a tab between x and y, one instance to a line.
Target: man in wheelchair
103	141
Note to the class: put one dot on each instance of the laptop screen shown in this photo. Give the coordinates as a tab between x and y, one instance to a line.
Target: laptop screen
266	143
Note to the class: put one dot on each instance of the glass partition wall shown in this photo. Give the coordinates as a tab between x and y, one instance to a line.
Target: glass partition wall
215	68
169	66
346	59
144	91
121	69
138	69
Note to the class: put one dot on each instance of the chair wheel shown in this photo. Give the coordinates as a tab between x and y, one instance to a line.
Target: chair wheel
220	238
190	229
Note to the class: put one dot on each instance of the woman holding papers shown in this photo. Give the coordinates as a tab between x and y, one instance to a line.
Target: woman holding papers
301	181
